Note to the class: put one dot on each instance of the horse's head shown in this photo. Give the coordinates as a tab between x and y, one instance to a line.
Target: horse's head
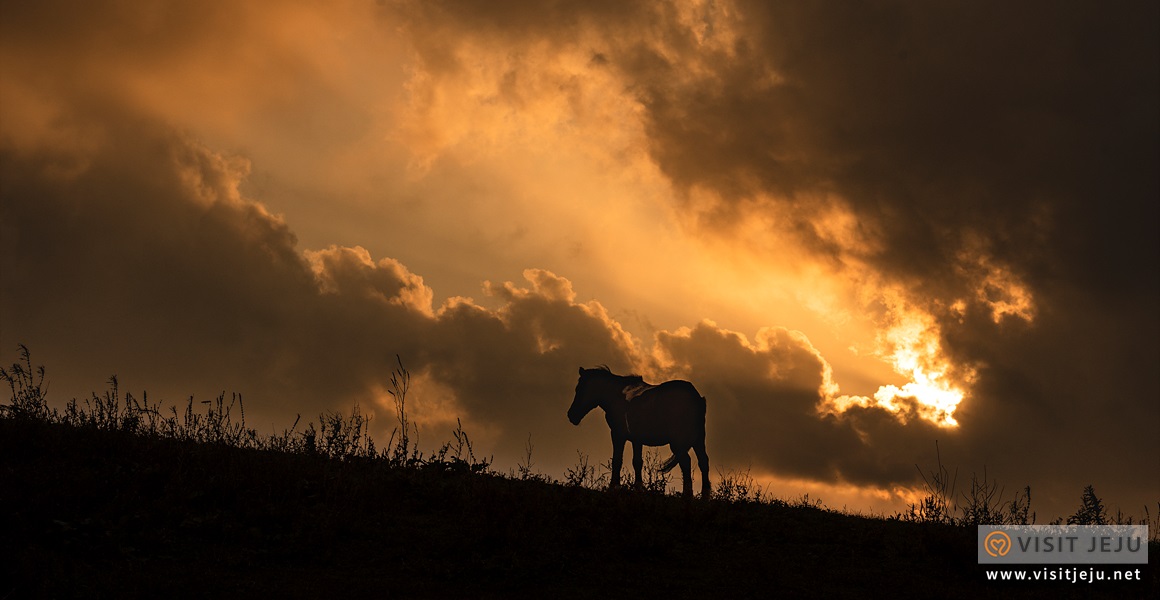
585	399
597	387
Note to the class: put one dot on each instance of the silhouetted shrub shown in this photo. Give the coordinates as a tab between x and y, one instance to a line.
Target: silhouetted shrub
1091	510
583	474
27	387
737	486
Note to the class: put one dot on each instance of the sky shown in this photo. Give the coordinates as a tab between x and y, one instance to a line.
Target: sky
860	229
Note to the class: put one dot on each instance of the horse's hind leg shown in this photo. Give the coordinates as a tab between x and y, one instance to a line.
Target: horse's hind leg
638	463
686	463
703	463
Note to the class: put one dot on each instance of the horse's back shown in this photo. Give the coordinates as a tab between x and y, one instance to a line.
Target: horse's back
679	390
671	411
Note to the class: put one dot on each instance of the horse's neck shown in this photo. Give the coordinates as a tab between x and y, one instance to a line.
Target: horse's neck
616	414
614	403
612	399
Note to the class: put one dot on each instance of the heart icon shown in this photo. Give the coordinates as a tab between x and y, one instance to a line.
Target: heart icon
997	543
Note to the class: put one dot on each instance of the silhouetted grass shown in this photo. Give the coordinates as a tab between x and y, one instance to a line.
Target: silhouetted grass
983	504
118	498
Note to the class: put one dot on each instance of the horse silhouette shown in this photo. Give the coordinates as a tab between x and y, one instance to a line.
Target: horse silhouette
671	413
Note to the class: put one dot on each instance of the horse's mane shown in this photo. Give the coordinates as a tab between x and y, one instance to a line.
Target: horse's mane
605	371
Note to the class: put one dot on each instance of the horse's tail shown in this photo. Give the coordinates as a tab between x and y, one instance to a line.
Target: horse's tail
670	463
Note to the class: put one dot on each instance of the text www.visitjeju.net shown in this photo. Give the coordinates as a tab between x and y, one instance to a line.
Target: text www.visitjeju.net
1068	574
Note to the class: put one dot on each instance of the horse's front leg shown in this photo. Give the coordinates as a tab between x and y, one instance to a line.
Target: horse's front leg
638	463
617	461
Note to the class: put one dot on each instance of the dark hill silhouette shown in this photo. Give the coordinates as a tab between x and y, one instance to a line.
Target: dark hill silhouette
96	513
113	499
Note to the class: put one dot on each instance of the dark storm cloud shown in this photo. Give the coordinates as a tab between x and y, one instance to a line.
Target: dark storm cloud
141	245
935	121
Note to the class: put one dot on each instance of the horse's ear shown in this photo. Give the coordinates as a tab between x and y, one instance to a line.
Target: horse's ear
581	370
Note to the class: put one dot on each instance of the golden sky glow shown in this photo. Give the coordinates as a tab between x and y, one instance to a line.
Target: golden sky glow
856	231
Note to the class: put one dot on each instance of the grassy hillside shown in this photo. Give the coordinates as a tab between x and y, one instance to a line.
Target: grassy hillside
117	498
97	513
